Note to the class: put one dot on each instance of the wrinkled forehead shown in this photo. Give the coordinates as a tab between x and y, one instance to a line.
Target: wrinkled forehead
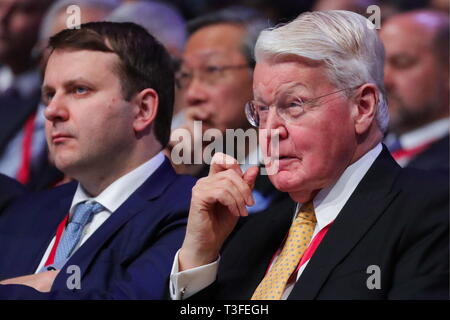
271	78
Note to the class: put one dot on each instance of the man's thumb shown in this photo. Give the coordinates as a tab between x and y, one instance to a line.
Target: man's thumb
250	176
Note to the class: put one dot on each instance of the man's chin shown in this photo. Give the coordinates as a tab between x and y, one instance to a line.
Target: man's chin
282	181
68	166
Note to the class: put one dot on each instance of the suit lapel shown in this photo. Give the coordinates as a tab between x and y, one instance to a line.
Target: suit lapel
369	200
152	188
47	230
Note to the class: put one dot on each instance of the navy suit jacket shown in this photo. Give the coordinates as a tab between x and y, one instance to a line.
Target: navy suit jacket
435	156
128	257
9	189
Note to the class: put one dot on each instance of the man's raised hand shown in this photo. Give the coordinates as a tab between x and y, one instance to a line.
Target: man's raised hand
218	201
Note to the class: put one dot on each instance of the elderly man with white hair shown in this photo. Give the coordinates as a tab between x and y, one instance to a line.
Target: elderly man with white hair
360	227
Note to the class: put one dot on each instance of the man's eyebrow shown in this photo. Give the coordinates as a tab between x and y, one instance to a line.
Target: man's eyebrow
46	88
69	83
287	87
75	81
291	86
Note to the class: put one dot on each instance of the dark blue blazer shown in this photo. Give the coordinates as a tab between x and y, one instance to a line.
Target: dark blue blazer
128	257
9	189
435	157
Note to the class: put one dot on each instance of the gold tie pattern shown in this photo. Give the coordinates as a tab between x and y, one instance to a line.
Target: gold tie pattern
298	239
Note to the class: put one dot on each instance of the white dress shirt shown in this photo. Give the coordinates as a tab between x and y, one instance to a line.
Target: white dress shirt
111	199
327	205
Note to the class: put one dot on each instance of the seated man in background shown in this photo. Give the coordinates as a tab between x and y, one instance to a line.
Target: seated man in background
363	227
108	90
215	82
23	151
417	85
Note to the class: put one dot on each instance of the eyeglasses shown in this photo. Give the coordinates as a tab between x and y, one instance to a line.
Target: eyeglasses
208	74
289	107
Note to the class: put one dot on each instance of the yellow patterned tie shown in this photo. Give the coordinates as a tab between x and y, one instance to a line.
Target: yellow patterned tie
300	233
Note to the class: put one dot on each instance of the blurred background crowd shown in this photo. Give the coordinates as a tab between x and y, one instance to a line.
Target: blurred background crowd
212	42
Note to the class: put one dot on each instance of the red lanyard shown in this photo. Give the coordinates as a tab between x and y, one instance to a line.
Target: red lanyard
24	172
59	232
309	251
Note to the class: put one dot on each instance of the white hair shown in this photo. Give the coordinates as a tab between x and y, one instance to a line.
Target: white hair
160	19
351	50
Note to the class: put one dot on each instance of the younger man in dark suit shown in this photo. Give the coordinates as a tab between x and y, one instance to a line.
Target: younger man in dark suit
108	91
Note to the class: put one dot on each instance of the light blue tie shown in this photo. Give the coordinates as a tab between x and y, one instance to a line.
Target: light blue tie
71	236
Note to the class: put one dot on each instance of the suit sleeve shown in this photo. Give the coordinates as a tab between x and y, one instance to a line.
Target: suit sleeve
145	277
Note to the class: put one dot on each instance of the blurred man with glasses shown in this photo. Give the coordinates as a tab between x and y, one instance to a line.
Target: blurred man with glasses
361	226
215	81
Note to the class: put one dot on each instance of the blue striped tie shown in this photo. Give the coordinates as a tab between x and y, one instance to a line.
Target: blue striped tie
71	236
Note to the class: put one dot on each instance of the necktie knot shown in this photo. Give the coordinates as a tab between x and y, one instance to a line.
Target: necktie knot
84	212
307	213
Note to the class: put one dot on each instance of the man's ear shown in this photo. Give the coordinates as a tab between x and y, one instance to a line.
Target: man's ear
365	107
146	104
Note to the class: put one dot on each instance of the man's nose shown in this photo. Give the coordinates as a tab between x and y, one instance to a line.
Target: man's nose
274	120
195	93
56	110
274	129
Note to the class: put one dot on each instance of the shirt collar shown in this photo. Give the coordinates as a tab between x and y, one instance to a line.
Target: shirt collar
330	201
427	133
120	190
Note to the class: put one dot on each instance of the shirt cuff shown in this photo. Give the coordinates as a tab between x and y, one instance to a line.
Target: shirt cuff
187	283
